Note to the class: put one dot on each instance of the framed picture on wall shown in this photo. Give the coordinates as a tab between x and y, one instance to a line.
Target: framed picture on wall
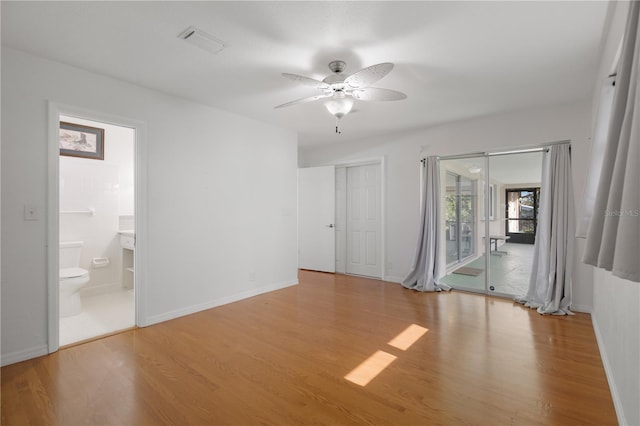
77	140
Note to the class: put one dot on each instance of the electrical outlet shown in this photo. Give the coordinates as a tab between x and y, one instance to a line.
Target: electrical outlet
389	265
30	212
252	276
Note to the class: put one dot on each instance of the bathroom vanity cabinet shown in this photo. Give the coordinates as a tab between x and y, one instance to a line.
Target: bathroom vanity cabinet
127	242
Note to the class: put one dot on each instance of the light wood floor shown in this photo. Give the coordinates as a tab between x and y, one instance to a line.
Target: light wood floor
281	358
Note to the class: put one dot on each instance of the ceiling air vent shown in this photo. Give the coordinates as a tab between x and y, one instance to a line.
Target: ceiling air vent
200	39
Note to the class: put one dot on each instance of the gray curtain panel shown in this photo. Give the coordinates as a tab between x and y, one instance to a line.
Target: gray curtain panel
425	271
614	229
550	282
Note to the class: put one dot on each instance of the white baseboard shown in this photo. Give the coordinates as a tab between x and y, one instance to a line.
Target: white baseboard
13	357
585	309
217	302
393	279
622	420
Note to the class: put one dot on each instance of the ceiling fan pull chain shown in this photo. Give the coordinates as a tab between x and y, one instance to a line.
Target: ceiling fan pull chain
338	126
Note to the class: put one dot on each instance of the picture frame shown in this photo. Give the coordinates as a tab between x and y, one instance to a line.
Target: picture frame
77	140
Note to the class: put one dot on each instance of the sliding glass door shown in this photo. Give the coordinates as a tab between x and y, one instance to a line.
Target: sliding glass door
489	217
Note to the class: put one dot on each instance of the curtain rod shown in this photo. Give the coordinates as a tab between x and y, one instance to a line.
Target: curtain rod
459	156
528	148
523	149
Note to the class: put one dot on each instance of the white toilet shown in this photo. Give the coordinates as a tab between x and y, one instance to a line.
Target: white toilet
72	278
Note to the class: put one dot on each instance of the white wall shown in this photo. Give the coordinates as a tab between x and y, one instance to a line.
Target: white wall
616	320
403	151
616	302
106	186
221	197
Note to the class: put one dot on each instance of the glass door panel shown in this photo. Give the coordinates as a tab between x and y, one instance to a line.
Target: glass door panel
451	218
467	215
463	190
516	178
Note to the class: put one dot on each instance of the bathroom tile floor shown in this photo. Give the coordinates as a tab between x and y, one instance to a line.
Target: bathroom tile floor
101	314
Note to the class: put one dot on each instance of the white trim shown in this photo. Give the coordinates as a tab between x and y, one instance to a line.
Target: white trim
393	279
23	355
383	215
617	403
218	302
141	220
585	309
53	225
354	163
53	211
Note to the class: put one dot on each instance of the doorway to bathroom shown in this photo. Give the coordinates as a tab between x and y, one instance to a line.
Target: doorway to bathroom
96	228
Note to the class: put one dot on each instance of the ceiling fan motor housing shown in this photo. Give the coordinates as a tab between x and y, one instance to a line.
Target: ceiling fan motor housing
337	77
337	66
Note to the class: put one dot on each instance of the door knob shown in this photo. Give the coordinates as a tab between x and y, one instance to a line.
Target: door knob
329	225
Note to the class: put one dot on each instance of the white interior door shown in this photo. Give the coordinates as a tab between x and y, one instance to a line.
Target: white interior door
316	219
364	236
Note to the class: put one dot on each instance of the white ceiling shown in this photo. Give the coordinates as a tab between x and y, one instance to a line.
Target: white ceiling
454	60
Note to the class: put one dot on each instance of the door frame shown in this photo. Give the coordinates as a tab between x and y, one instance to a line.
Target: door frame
526	238
458	225
487	155
53	212
383	205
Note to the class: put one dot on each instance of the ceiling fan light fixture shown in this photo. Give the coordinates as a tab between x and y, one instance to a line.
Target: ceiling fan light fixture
339	90
339	106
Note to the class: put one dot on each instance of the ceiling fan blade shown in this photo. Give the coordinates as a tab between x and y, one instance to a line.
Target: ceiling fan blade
377	94
302	101
369	75
306	81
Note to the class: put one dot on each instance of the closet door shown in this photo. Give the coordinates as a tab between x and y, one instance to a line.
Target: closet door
364	239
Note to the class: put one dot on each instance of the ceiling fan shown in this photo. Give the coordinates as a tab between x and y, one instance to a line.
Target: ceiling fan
340	90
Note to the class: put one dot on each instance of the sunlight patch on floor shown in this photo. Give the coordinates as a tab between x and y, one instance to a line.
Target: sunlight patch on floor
408	337
370	368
